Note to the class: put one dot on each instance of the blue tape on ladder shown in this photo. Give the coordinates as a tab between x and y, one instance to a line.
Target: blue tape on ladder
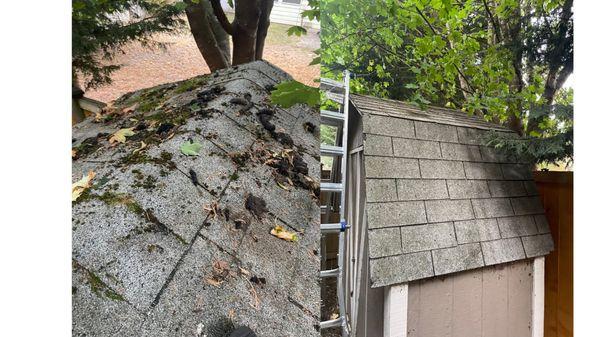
343	226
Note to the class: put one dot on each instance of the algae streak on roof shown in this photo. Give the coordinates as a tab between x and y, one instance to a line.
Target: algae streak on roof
164	242
438	200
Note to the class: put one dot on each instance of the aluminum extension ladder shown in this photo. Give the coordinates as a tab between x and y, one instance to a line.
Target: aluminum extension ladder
340	120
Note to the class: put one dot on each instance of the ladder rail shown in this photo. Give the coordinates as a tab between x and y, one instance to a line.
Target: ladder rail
340	228
342	235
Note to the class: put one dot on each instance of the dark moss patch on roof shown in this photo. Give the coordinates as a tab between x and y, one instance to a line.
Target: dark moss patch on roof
148	219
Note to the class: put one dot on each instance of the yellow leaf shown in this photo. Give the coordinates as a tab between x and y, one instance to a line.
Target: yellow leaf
281	233
73	153
213	282
81	185
120	136
142	146
283	186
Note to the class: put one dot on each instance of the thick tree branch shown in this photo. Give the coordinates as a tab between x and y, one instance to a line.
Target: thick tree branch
463	80
245	29
220	14
263	27
202	30
492	19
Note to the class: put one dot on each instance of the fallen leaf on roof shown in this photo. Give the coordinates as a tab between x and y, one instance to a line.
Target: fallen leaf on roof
213	209
283	186
121	135
220	273
281	233
190	148
73	153
142	146
254	294
213	282
81	185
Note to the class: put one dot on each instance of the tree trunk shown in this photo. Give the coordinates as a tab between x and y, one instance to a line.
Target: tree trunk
245	29
263	27
211	39
77	114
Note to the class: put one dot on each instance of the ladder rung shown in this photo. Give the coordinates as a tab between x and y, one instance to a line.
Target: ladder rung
330	150
331	323
332	118
331	187
331	83
330	273
334	227
331	227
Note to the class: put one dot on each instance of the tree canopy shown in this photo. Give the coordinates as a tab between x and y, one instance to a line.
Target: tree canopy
506	60
100	28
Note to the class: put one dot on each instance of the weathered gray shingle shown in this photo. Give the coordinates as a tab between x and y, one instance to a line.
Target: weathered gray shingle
401	268
421	189
538	245
462	257
470	135
414	148
503	250
527	205
491	208
517	226
456	204
460	152
389	126
516	172
448	210
378	145
392	214
434	131
427	237
482	171
542	223
388	167
381	190
463	189
504	188
385	242
476	230
489	154
441	169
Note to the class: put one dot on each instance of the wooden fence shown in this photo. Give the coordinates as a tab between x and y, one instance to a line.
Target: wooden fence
556	190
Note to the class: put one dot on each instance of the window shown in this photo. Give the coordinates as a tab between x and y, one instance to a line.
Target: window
291	1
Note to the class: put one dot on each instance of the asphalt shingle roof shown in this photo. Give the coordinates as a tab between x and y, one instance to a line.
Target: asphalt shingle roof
438	200
164	243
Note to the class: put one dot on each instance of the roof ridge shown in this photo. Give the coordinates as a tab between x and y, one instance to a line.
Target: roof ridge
433	114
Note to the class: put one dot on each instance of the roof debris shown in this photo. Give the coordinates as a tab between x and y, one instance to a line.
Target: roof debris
81	185
149	230
281	233
256	205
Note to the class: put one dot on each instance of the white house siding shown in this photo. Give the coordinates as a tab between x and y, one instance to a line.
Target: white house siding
285	13
488	302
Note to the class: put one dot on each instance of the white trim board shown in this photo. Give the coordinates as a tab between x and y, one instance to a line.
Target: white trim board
395	311
537	298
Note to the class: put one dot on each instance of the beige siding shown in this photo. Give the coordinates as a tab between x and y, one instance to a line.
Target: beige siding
487	302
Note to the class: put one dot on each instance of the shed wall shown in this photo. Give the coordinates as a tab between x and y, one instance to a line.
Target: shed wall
487	302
